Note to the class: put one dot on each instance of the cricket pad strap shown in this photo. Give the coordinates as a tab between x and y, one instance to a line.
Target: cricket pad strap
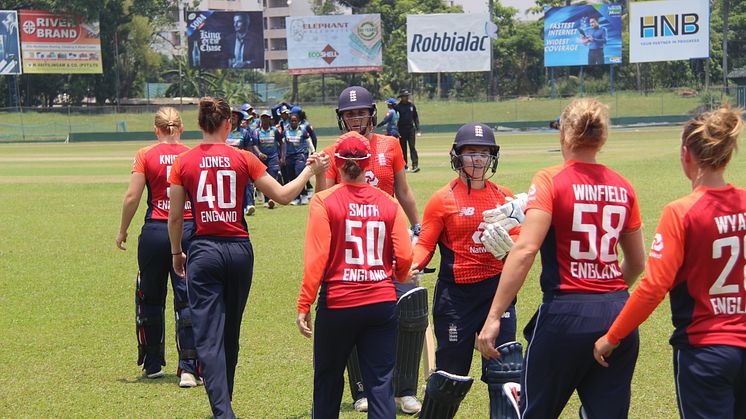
443	395
506	368
413	318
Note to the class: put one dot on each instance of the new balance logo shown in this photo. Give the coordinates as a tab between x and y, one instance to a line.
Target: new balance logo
478	131
353	95
466	211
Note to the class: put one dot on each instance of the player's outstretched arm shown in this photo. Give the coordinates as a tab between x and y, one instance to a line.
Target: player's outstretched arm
283	194
129	206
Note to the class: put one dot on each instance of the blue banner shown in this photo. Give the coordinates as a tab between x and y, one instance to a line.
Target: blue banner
225	39
583	35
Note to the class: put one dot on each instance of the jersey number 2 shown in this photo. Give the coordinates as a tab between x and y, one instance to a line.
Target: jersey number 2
734	243
369	247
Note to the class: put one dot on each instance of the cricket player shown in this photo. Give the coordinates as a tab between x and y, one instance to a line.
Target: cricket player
268	146
212	177
470	265
356	112
356	243
151	167
578	214
697	257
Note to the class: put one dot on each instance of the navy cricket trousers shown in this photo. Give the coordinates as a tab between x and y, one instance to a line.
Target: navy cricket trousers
294	165
219	274
710	381
459	312
372	328
155	267
559	358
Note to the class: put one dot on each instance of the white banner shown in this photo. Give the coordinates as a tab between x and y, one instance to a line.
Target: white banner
669	30
449	42
334	44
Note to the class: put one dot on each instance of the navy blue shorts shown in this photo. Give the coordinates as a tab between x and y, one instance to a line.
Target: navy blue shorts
710	381
559	358
459	312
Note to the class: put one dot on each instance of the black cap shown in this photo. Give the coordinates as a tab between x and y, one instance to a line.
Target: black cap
403	92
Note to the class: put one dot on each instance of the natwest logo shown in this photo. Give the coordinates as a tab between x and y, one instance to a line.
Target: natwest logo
327	54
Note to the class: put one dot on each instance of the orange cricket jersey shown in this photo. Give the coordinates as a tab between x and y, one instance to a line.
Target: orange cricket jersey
214	177
155	161
591	206
386	160
356	242
453	221
699	255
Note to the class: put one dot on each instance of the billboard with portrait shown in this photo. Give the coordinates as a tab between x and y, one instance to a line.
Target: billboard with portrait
583	35
10	57
225	39
450	42
669	30
334	44
59	43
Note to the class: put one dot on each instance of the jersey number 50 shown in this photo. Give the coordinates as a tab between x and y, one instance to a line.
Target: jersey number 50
372	249
609	238
205	189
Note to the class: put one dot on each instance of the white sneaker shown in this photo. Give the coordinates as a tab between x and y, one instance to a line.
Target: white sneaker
304	200
409	404
188	380
295	201
250	210
157	374
269	204
361	405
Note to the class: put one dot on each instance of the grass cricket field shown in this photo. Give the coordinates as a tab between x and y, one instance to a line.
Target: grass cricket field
67	293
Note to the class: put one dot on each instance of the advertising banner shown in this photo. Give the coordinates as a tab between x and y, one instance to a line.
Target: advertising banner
451	42
225	39
583	35
669	30
59	43
10	58
334	44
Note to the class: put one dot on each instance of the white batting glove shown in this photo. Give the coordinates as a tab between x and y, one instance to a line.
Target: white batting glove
508	215
496	240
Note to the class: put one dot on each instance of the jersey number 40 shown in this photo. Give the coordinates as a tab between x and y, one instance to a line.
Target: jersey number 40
223	178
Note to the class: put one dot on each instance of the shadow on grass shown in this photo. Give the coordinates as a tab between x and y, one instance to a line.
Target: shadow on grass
169	379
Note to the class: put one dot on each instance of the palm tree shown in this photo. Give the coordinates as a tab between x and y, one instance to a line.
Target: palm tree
193	82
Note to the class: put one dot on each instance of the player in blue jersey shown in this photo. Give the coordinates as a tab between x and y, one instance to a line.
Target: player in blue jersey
268	147
296	140
240	137
391	119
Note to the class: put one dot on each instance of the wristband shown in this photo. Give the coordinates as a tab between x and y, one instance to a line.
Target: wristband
416	229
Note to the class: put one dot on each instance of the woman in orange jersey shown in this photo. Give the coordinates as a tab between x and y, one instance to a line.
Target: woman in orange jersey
213	177
356	243
151	167
356	112
698	256
468	274
578	213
